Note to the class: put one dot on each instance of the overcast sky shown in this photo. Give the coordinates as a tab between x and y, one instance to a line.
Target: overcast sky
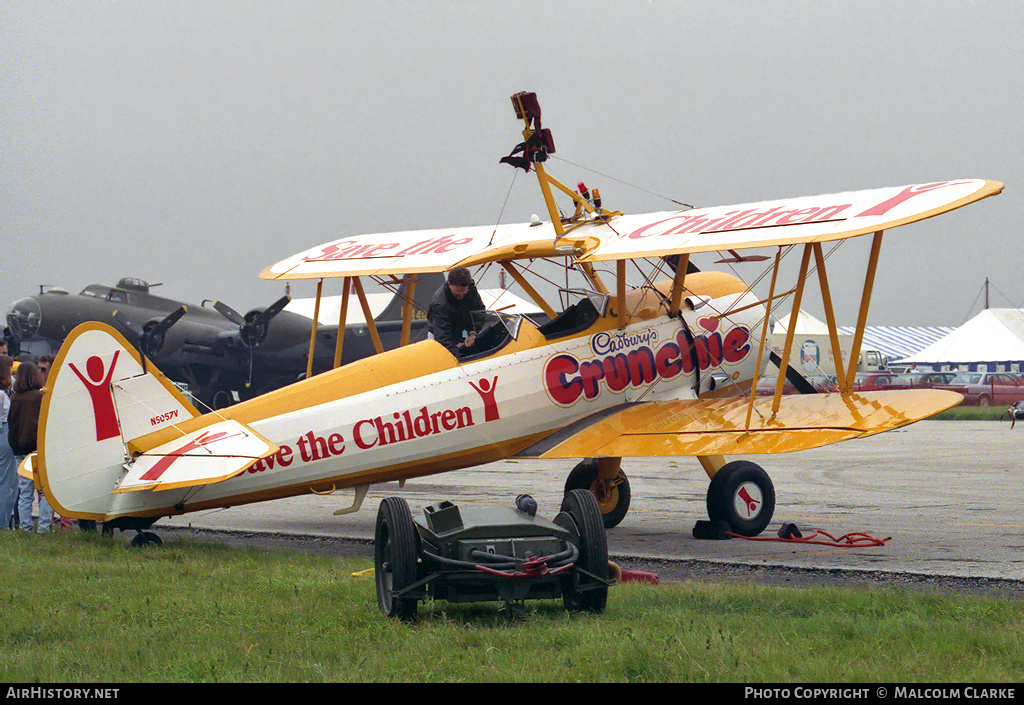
195	143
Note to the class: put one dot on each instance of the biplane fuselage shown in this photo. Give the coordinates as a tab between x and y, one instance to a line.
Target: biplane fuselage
382	418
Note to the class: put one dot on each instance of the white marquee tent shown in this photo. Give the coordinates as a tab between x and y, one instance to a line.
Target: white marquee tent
992	340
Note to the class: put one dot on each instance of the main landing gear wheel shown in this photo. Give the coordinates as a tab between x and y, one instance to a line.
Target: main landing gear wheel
612	495
395	558
742	495
581	506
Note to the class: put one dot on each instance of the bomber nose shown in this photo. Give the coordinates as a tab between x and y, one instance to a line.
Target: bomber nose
24	318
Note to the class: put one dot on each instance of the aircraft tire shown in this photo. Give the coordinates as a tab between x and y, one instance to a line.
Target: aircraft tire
581	506
742	495
612	501
394	557
146	538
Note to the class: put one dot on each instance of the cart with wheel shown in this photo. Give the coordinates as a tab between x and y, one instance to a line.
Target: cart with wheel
482	554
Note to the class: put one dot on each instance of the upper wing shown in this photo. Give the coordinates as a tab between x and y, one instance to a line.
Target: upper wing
718	426
768	223
407	252
790	221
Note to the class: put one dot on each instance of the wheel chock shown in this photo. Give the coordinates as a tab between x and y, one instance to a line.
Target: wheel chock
789	531
714	530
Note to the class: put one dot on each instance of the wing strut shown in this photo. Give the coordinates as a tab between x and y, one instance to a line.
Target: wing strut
410	294
367	314
791	328
316	324
862	318
764	333
830	317
528	288
677	287
342	317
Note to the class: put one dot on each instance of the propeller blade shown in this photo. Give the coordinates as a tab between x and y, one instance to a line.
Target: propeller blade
272	310
127	323
172	318
229	313
137	330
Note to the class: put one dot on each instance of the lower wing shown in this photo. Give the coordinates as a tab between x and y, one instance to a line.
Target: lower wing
719	426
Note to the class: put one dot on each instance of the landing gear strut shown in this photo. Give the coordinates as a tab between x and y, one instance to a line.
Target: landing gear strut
608	482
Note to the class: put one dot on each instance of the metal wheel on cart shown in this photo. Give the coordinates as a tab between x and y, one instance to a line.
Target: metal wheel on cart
395	558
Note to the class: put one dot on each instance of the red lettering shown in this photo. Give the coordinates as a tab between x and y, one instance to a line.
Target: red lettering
464	416
905	195
591	373
357	435
448	420
616	373
563	391
668	361
641	366
736	346
335	443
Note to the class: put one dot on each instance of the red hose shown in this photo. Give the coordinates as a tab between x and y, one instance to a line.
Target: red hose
857	539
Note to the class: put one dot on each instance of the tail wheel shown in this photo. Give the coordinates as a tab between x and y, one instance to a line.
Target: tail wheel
581	506
146	538
395	558
612	495
742	495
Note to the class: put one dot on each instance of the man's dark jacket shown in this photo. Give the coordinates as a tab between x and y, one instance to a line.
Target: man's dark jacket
448	317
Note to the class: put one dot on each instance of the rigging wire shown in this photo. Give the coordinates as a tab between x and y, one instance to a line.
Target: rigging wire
625	183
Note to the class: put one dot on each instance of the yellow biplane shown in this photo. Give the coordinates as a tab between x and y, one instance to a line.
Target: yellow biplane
646	356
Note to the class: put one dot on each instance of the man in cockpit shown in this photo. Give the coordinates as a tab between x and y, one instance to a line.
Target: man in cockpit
450	316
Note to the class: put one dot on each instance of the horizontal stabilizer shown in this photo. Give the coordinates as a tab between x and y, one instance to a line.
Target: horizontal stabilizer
212	454
719	426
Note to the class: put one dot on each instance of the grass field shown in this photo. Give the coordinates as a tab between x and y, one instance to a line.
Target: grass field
82	608
973	413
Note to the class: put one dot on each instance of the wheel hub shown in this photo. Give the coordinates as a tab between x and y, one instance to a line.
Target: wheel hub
748	500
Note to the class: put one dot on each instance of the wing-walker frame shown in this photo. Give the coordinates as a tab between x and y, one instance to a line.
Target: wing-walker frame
664	368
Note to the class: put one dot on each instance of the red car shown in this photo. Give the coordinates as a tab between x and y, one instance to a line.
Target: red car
987	388
872	381
766	386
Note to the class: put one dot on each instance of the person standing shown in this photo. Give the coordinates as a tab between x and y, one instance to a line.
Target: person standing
8	463
22	427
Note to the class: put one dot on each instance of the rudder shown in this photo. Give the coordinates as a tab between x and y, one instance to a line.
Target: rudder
98	398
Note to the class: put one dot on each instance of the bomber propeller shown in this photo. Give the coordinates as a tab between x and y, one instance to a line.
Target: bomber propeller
253	327
152	336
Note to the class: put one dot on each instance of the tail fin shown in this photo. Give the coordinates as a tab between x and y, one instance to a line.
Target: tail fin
98	399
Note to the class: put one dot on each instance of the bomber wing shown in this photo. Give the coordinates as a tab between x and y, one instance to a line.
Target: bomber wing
719	426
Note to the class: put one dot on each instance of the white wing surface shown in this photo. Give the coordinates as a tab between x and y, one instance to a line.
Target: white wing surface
751	225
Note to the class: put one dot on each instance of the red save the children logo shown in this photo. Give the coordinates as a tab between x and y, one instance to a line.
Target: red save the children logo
97	381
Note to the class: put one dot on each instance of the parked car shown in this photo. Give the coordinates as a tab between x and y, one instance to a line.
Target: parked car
872	381
987	388
766	386
824	383
921	380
